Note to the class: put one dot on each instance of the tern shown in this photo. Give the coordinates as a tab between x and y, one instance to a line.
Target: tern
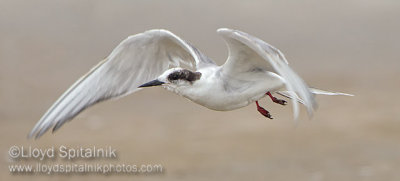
254	69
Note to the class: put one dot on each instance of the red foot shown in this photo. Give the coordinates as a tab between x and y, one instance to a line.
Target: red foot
276	100
263	111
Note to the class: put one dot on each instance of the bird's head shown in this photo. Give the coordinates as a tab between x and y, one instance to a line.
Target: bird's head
174	78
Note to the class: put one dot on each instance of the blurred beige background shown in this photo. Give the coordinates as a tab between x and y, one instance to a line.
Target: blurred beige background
350	46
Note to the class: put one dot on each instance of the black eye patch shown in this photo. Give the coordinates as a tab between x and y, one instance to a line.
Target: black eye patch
184	75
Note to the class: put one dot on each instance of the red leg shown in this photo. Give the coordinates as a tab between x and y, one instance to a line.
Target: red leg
263	111
276	100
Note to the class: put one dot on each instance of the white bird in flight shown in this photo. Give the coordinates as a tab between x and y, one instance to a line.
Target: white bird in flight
253	70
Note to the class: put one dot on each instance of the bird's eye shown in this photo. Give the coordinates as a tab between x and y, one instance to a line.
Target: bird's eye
174	76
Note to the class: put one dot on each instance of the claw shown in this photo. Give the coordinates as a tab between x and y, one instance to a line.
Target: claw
276	100
263	111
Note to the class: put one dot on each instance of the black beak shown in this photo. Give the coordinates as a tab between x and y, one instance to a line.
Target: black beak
152	83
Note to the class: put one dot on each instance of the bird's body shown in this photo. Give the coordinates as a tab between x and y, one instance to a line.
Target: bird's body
153	58
222	93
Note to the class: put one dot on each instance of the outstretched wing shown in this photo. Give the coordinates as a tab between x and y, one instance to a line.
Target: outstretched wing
247	53
136	60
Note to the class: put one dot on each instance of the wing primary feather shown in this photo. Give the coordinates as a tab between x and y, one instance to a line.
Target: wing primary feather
40	123
136	60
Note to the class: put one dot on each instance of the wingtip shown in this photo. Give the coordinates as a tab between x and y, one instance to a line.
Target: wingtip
41	132
31	134
34	136
37	133
34	132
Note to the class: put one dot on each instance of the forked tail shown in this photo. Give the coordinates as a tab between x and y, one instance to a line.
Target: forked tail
314	91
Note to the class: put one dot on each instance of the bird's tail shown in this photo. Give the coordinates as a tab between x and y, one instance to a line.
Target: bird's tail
312	90
318	91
